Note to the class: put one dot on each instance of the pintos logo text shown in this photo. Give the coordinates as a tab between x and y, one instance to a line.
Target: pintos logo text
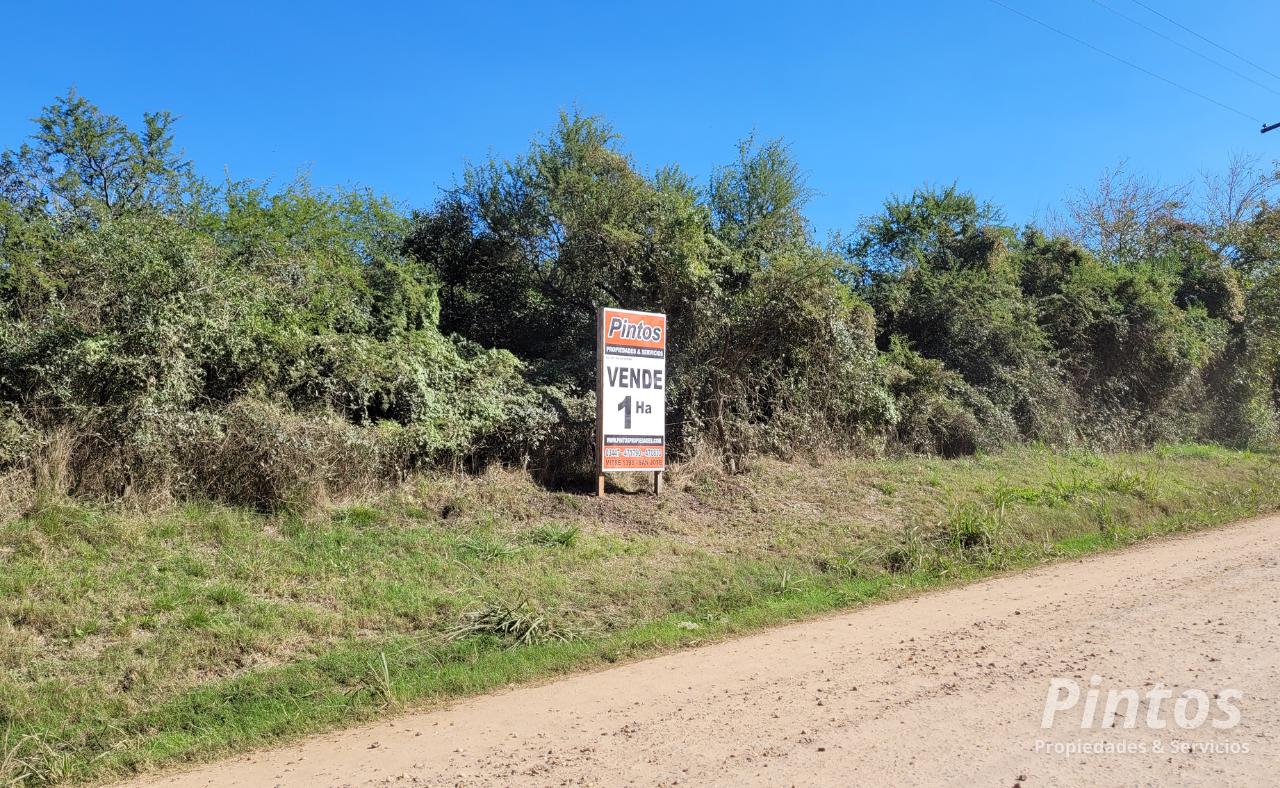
622	328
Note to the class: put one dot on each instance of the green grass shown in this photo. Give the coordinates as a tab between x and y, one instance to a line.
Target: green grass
130	641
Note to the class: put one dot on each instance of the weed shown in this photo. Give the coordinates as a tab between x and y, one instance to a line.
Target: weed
1200	451
971	527
380	680
1086	458
226	595
13	769
1005	495
519	624
51	468
1110	523
30	759
1126	482
787	582
555	535
359	516
909	553
1059	491
486	548
861	564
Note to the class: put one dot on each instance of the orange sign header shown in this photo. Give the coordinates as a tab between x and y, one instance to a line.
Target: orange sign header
635	329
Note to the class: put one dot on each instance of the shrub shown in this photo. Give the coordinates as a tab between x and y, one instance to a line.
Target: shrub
17	438
160	336
940	412
200	348
266	455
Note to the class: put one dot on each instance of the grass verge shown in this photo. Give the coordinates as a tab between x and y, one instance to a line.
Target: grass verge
133	641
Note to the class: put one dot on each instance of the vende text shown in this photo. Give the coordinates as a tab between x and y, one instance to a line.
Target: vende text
632	378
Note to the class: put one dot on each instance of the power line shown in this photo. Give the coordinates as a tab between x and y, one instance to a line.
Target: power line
1207	40
1130	64
1192	50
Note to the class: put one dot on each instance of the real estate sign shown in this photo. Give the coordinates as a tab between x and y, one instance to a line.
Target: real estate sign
631	393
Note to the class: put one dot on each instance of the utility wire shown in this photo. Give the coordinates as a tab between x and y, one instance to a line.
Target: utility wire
1192	50
1207	40
1130	64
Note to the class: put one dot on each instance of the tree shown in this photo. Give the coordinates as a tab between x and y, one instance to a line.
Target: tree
1123	219
939	228
526	250
1232	203
757	203
90	165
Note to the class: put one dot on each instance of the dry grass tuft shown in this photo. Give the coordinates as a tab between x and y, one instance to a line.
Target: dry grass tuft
51	468
520	624
706	465
17	493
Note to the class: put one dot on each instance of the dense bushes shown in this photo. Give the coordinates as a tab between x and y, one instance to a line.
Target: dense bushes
252	346
276	346
1064	345
768	349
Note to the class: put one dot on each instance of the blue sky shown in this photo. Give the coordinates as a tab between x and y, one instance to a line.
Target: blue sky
874	98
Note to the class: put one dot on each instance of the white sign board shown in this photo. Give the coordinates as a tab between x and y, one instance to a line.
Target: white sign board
631	422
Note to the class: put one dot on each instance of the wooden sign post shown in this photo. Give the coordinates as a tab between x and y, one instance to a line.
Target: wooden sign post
631	385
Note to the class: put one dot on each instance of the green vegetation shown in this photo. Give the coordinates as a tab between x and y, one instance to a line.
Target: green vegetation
165	338
130	640
275	458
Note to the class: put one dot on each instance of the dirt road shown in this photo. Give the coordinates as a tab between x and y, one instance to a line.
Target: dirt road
948	688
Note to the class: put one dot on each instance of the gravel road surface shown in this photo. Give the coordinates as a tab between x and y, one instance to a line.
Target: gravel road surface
948	688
